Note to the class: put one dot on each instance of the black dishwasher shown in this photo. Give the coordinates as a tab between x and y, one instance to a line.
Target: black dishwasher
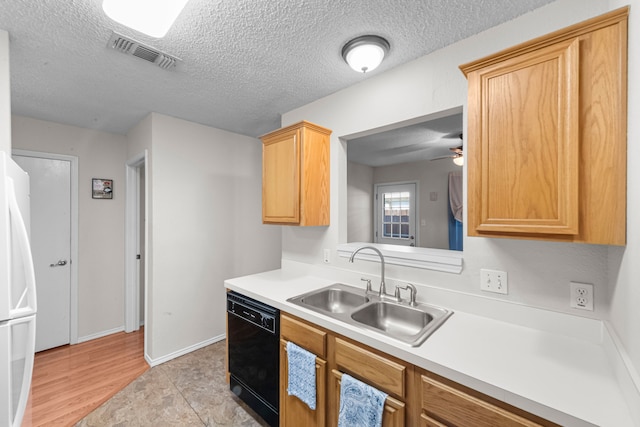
253	337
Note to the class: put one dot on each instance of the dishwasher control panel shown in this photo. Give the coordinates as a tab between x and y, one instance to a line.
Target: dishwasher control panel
253	311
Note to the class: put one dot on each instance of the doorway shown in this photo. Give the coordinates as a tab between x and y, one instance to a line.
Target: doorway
54	231
395	213
136	239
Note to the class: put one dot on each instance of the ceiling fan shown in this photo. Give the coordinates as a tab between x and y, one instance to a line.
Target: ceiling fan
457	154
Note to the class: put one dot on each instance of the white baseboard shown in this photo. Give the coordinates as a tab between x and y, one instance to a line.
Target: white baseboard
182	352
100	334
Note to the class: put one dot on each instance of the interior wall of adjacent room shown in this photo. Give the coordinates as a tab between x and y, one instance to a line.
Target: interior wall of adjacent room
207	226
101	222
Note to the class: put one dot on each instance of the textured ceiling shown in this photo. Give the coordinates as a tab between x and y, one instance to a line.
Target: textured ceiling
245	62
427	140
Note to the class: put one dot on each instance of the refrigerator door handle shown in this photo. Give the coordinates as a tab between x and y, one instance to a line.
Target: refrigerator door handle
22	239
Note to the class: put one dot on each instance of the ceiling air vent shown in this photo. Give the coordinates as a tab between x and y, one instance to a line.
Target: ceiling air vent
132	47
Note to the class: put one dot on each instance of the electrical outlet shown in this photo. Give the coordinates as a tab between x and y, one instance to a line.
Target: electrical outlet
581	296
327	256
494	281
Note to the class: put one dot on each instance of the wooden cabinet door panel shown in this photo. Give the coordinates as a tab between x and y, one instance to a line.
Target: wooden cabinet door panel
281	179
293	411
525	153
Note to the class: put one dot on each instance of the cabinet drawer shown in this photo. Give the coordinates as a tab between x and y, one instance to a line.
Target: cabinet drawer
380	372
443	403
426	421
306	336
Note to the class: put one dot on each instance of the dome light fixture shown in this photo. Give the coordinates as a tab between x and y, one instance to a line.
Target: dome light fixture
365	53
458	160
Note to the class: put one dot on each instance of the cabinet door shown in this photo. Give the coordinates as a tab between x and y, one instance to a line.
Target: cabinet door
393	412
293	411
451	406
523	143
281	178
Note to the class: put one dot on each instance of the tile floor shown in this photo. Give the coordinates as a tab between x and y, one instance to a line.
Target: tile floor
187	391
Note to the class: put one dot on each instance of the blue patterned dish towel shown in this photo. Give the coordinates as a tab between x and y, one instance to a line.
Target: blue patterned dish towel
360	404
302	374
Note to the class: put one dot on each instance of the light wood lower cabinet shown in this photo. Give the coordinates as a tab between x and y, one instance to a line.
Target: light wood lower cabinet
415	396
293	411
446	403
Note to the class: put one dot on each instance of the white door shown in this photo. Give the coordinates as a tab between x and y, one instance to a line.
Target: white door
51	246
395	213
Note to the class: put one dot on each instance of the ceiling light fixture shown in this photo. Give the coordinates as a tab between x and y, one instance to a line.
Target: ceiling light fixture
365	53
459	160
151	17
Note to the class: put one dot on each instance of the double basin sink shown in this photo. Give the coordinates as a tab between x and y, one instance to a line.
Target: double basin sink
410	324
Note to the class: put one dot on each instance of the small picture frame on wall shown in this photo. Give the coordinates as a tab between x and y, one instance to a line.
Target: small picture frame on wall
102	188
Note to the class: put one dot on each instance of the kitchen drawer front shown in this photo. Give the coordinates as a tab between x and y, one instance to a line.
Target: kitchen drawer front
303	335
443	403
380	372
426	421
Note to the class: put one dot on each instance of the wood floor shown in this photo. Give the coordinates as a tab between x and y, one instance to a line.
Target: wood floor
71	381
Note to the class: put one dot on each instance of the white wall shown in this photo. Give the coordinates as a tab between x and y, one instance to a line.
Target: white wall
624	268
431	177
539	272
101	222
5	94
360	203
139	139
205	203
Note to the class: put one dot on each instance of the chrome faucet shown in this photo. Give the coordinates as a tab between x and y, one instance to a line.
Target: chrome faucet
383	290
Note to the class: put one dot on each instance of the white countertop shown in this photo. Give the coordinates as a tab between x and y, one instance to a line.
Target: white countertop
566	380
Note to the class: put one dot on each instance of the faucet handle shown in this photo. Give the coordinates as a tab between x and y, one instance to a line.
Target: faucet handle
412	293
368	284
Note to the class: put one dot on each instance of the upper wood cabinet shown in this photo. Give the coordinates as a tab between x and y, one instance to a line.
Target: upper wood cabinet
295	175
546	138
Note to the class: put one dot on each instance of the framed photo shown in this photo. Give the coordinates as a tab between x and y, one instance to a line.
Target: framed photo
102	188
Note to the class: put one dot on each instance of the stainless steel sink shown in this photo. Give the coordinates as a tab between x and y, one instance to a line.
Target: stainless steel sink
408	324
337	298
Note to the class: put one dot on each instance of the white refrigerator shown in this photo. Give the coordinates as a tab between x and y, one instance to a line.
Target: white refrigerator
17	293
